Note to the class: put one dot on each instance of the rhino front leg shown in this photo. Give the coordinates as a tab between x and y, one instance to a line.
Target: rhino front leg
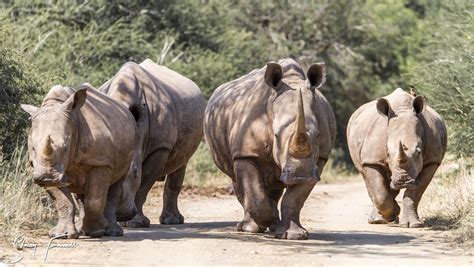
386	209
252	194
153	169
95	223
412	198
291	205
170	213
64	204
113	197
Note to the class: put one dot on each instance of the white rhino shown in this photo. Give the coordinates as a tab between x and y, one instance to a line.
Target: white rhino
169	109
396	142
268	130
81	142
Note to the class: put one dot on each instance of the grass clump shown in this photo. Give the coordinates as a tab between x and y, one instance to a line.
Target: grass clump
448	202
26	208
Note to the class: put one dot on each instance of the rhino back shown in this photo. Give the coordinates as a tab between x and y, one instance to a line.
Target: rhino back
236	123
176	102
175	107
367	136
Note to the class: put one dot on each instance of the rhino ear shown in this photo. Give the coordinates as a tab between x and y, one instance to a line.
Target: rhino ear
273	74
317	75
419	104
29	109
383	107
75	101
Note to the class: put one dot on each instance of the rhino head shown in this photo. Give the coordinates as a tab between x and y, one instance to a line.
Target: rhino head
51	139
404	142
294	124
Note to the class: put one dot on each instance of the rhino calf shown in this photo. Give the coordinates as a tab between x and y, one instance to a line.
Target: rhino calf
396	142
269	130
81	142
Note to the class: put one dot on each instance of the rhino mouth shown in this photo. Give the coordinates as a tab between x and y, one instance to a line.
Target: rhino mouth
52	181
398	183
291	177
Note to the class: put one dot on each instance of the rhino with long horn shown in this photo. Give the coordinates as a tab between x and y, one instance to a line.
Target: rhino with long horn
268	130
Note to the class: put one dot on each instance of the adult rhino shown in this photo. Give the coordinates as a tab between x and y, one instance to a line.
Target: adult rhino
396	142
269	130
168	109
81	142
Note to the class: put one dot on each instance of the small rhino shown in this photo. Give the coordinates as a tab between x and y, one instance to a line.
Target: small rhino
82	142
396	142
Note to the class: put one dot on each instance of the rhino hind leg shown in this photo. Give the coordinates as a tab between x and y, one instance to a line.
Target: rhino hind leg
65	207
250	191
152	170
170	213
381	195
113	197
95	199
412	198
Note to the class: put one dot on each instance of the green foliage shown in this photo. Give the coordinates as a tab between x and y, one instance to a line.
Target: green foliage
369	46
442	69
18	84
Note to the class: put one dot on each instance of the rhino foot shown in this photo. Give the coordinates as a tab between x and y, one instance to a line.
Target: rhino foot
64	231
113	230
139	221
96	233
171	218
249	226
376	218
294	232
412	223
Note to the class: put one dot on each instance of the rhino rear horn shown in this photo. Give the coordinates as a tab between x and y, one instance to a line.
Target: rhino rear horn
299	143
402	157
48	148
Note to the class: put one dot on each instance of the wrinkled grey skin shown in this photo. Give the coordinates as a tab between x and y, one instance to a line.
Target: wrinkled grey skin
268	130
169	110
396	142
81	142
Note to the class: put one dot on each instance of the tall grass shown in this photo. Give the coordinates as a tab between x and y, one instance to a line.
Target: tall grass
448	203
25	208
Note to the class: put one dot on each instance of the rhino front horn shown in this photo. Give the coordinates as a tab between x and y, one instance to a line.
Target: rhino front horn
299	143
402	157
48	148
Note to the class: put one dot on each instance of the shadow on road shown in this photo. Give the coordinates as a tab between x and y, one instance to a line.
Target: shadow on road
353	243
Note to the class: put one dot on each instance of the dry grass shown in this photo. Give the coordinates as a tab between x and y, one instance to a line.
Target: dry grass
449	201
25	208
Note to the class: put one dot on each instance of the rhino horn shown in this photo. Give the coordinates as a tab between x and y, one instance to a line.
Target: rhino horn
402	157
48	148
299	143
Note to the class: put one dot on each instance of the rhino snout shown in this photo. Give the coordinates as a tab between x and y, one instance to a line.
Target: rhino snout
293	176
405	181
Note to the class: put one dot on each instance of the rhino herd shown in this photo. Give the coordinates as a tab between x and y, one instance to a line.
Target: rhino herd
271	131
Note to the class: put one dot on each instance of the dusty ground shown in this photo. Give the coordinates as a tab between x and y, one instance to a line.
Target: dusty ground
335	216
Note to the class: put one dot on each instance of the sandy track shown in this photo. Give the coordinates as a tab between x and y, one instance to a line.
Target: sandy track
335	216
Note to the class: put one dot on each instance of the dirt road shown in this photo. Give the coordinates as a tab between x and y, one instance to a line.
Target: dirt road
335	216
